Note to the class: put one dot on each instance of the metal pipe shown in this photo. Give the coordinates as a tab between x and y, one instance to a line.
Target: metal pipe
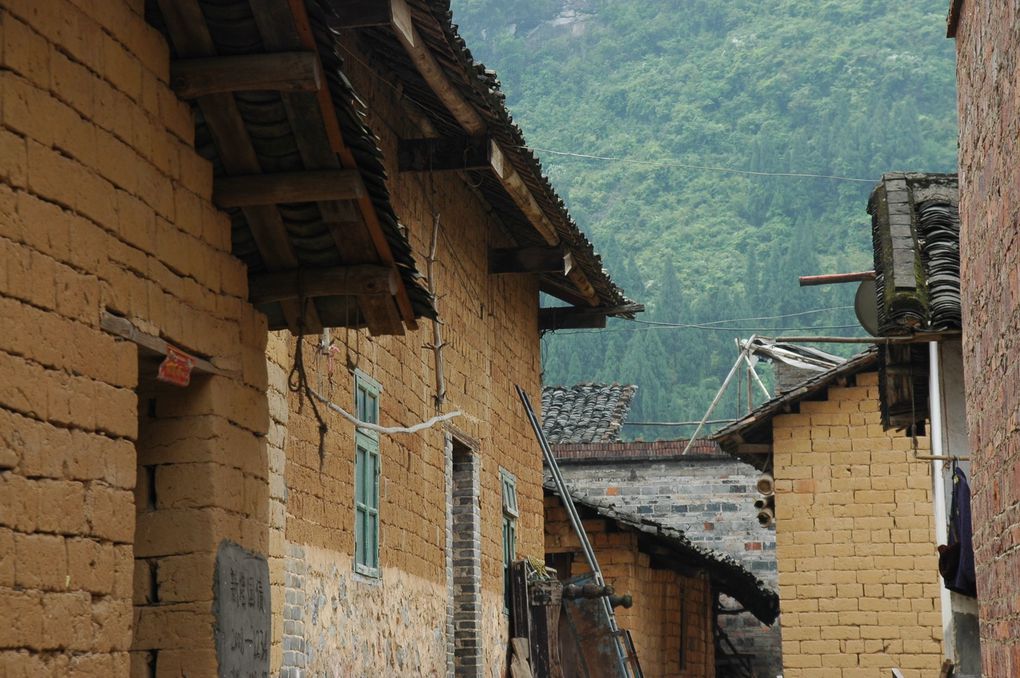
575	521
831	278
939	487
766	485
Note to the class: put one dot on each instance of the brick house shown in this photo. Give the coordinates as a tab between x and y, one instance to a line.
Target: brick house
706	494
673	583
859	585
988	84
184	187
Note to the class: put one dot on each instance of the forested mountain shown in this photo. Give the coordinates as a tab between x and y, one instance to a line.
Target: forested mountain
664	90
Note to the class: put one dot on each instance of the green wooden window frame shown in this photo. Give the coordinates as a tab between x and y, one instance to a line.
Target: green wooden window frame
508	486
366	477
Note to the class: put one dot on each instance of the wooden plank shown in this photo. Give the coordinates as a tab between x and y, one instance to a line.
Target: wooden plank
520	617
381	314
569	318
527	260
280	72
444	154
124	328
309	283
287	187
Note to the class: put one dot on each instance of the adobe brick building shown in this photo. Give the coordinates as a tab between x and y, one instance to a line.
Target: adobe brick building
859	585
185	186
706	494
988	84
673	582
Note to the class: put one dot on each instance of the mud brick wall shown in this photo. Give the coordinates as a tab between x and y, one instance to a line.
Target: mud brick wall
105	206
855	542
988	86
490	326
709	495
659	594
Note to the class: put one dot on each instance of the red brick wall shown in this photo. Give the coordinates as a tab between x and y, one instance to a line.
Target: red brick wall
988	50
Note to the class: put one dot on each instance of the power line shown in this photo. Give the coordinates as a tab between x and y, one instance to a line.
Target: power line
762	317
683	165
756	330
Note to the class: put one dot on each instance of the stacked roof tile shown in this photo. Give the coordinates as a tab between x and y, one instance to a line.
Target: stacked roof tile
585	413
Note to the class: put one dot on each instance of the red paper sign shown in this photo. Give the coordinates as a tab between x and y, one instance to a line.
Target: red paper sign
176	367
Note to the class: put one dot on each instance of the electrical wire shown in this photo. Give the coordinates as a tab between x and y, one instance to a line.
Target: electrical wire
762	317
756	330
683	165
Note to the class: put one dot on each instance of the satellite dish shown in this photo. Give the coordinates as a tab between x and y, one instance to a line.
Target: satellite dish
866	307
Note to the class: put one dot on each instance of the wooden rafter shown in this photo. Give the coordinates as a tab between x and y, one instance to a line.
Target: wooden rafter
580	280
445	153
280	72
286	187
527	260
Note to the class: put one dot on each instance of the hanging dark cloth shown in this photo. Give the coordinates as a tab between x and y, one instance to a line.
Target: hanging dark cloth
956	560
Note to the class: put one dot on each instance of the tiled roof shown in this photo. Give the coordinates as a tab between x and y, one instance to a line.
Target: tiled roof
433	19
636	451
727	575
585	413
915	227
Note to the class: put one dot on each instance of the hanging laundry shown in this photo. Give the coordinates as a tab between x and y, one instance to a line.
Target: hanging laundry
956	559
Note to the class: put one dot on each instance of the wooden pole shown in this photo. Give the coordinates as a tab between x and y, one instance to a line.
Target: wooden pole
833	278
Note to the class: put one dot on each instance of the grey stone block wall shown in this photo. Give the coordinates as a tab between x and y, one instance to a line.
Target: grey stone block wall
465	557
711	498
295	659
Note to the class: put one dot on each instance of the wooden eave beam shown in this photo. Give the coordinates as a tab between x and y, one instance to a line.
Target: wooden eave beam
569	318
444	154
279	72
527	260
336	281
287	187
753	448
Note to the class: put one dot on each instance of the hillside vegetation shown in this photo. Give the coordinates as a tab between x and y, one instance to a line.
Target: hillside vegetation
843	88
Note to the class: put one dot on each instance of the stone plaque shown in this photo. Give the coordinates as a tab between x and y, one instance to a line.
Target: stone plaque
243	613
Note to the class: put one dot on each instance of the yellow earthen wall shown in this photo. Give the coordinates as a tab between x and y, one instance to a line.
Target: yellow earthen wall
855	542
491	335
654	619
105	206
